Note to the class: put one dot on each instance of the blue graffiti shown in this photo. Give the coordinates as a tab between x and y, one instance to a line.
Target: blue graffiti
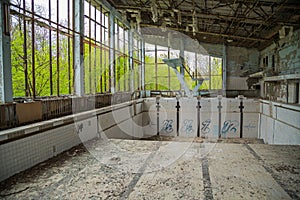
167	126
205	126
229	126
79	128
249	126
187	127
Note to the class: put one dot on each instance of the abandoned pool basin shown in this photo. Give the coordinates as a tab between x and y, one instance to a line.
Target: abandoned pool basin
176	117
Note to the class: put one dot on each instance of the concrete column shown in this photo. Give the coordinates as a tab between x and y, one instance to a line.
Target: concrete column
299	93
112	51
224	63
181	55
292	92
6	92
78	47
143	65
131	63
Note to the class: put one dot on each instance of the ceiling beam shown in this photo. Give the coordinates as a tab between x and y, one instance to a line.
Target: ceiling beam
266	21
208	33
186	12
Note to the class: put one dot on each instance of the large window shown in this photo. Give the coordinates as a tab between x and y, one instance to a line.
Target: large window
121	57
96	49
41	46
210	68
137	62
161	77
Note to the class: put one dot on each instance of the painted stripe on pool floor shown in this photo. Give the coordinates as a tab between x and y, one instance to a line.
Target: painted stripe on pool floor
291	193
206	180
139	174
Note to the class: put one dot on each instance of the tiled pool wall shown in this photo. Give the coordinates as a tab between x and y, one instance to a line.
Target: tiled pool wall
206	117
26	146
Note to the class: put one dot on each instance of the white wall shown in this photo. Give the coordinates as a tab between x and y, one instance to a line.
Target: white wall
230	120
43	140
279	123
275	123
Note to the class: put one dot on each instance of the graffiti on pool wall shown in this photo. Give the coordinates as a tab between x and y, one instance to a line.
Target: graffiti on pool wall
205	126
167	126
250	126
79	128
229	126
187	127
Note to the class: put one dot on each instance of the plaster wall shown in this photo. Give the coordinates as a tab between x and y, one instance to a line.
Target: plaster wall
279	123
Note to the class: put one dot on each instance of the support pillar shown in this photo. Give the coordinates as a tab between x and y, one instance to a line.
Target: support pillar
143	66
6	92
224	65
131	62
181	55
112	51
78	47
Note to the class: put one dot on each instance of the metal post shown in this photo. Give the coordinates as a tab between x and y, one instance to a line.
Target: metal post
241	107
6	93
78	47
198	116
157	115
220	114
177	112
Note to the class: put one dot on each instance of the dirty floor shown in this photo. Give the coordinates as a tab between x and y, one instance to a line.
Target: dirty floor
156	169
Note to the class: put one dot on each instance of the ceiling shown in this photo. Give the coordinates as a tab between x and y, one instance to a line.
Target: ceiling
248	23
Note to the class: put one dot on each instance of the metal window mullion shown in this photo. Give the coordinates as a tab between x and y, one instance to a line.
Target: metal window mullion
169	73
105	62
90	51
39	17
50	52
57	49
156	73
101	56
95	52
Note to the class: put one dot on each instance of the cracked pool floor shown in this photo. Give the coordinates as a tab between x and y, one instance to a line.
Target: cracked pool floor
144	169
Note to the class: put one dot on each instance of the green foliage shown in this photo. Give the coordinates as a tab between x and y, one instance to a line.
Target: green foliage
41	63
164	77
